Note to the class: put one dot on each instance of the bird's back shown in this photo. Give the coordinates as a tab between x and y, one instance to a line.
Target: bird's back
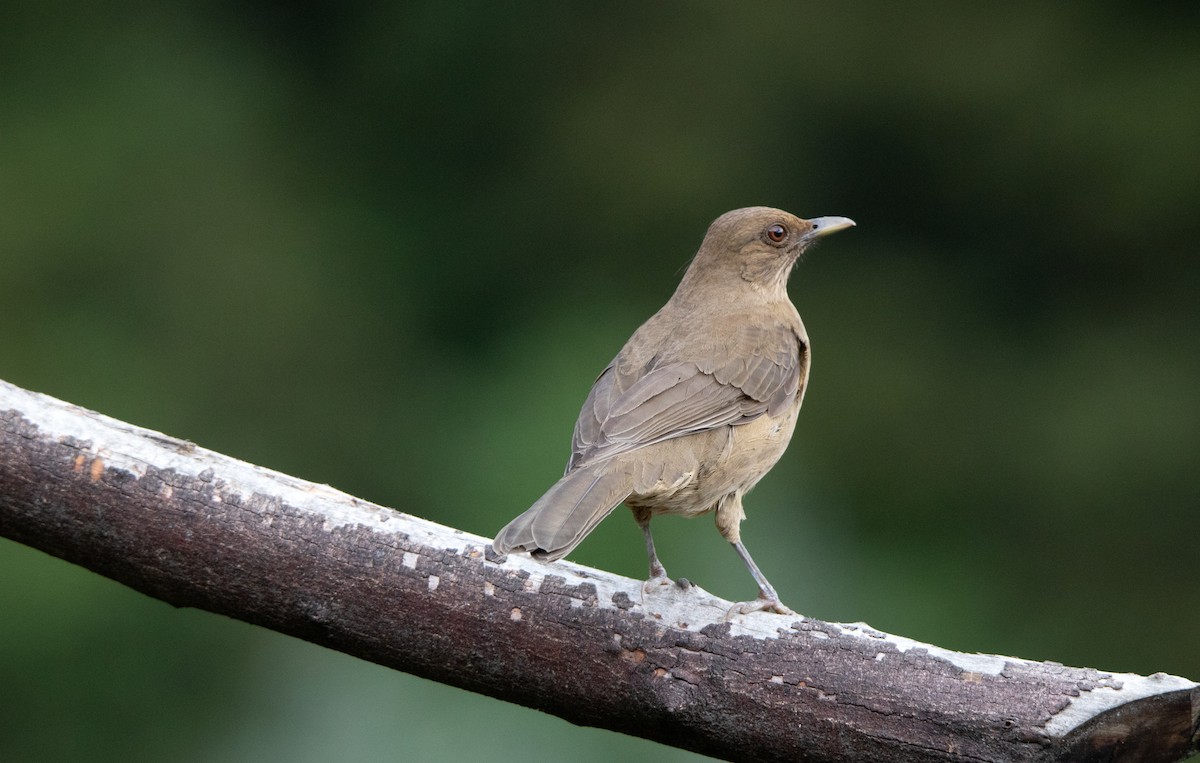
688	371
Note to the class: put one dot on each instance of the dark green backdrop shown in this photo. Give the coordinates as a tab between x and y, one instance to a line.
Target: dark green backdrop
388	246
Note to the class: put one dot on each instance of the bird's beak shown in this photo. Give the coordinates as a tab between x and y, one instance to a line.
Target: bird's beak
822	226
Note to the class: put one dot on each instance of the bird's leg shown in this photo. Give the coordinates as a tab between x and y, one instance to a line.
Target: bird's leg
729	519
767	599
658	574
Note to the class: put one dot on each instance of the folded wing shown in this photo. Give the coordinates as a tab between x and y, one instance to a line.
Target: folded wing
759	370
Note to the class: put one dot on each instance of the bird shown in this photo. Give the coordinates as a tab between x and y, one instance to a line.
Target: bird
697	406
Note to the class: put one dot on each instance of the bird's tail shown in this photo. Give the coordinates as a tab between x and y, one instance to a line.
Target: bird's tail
560	519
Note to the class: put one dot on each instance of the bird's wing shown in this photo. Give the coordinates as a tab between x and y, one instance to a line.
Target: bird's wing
760	369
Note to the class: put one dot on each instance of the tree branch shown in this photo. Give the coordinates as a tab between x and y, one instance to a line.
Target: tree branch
198	529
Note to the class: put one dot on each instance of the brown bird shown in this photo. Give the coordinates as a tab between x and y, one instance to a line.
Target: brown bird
699	404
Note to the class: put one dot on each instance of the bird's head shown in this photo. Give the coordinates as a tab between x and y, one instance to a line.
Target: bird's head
757	246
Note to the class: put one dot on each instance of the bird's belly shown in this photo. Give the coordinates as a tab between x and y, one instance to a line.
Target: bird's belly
700	469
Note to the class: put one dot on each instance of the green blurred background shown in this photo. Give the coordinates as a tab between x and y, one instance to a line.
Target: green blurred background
388	246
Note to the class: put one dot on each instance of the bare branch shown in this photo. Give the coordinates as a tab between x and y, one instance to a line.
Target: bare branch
198	529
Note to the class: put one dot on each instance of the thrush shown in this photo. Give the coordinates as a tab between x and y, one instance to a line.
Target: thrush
697	406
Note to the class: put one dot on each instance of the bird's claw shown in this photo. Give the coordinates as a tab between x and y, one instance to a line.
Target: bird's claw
759	605
662	584
656	582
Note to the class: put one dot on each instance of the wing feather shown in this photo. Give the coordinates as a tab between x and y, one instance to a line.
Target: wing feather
760	370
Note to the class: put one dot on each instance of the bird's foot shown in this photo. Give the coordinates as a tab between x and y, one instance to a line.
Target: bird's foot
761	604
661	583
655	583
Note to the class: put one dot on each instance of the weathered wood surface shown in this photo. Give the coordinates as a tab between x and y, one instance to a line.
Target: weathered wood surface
198	529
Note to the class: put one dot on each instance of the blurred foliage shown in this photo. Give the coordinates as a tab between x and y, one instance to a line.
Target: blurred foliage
387	246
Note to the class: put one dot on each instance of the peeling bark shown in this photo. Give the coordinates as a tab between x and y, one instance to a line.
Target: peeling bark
198	529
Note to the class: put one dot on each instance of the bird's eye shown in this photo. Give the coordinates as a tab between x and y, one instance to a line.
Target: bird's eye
776	233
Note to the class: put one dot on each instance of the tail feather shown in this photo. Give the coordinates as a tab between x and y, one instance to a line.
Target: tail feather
570	509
